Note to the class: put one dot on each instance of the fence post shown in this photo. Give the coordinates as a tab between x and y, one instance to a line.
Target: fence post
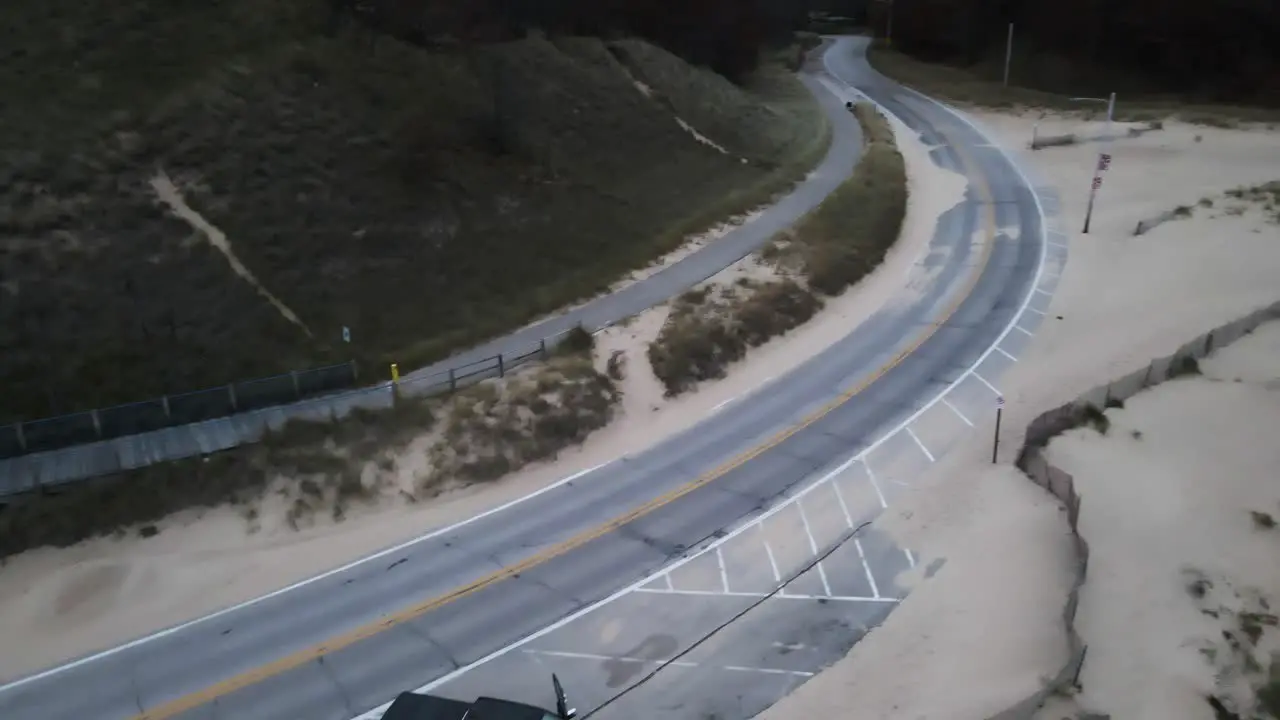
297	390
22	437
1208	343
231	391
542	344
355	370
164	402
453	381
501	369
97	424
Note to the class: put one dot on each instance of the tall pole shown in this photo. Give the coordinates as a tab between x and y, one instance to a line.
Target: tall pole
1008	55
995	440
888	30
1101	165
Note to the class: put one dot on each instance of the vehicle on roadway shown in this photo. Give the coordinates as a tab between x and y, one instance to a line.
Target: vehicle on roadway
418	706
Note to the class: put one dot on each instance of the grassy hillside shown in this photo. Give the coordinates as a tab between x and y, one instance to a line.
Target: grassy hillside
426	199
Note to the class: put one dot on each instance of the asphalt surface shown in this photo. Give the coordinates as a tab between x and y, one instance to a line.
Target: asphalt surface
740	623
990	275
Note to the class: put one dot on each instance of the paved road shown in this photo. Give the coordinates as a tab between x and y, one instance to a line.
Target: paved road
713	636
427	611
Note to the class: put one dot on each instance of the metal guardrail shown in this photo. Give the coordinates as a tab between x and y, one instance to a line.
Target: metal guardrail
102	442
89	426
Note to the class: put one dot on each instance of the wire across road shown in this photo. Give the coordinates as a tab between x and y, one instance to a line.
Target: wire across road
441	609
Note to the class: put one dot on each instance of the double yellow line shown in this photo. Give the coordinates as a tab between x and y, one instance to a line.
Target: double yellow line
347	639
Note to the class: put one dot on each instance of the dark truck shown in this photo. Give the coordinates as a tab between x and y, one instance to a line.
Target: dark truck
413	706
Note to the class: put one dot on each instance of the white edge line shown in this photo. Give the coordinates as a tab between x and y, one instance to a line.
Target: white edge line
301	583
377	713
723	403
564	621
760	386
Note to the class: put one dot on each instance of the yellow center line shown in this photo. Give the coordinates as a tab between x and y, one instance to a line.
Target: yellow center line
351	637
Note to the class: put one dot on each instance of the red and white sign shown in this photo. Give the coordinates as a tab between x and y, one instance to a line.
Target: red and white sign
1104	162
1097	183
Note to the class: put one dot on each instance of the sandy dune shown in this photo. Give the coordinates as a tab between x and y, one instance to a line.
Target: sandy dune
979	634
1167	499
58	604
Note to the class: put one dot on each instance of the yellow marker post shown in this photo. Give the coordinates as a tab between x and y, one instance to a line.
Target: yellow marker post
395	373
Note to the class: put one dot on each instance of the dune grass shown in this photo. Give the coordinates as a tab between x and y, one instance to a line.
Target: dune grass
424	199
831	249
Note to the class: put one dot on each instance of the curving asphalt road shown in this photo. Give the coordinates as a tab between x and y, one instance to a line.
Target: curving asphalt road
448	607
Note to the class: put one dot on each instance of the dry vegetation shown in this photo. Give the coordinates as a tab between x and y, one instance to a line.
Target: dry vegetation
982	86
317	471
1236	201
1245	655
830	250
365	182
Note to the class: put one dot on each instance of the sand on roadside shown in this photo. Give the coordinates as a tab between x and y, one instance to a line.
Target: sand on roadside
62	603
981	632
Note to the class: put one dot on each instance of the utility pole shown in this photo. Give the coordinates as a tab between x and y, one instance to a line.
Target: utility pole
1104	157
888	30
1008	55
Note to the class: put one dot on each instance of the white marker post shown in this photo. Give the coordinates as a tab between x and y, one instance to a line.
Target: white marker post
995	443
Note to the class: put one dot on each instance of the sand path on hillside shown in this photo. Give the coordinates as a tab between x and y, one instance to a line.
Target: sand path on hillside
978	635
172	197
203	560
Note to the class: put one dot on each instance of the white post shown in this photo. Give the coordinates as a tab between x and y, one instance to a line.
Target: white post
1097	169
1008	55
1111	113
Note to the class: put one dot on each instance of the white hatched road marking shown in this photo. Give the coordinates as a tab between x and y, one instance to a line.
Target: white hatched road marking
984	382
376	713
919	444
884	504
724	576
668	662
813	546
875	590
956	410
759	595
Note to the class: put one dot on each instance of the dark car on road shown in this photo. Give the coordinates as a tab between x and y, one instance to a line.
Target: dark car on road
415	706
